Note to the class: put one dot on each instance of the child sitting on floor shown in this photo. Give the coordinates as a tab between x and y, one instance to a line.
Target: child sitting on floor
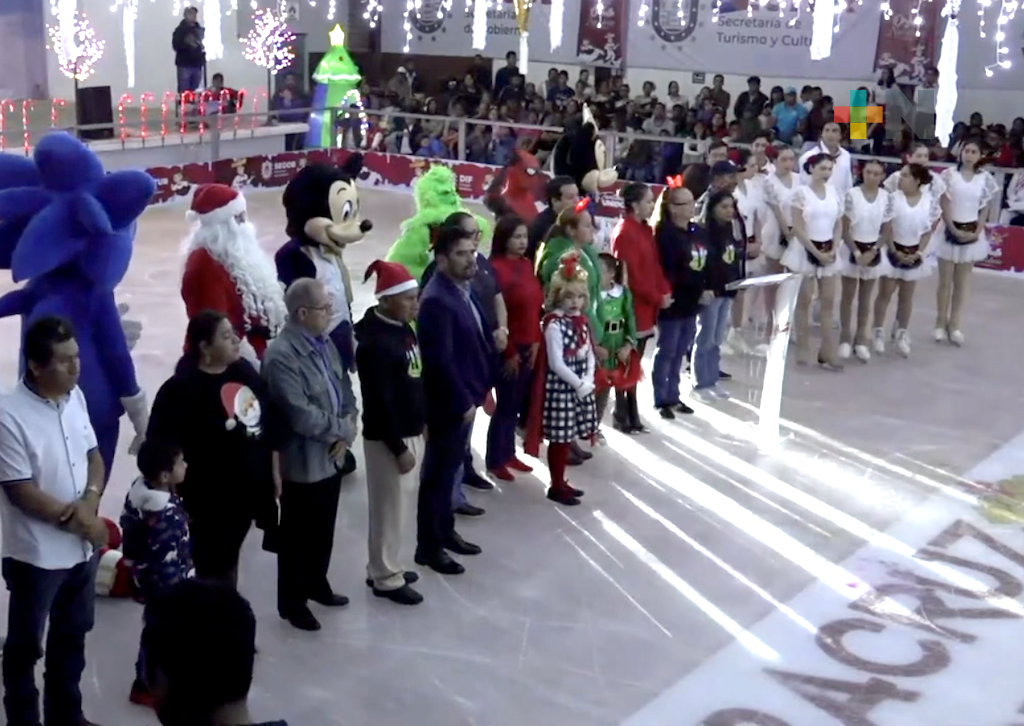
562	406
156	538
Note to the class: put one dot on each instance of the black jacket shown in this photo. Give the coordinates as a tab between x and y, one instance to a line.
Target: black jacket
185	55
697	178
484	284
537	230
391	380
684	257
726	251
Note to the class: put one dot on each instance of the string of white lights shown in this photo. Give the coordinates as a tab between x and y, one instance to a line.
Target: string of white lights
1007	11
409	7
372	13
599	9
642	15
213	41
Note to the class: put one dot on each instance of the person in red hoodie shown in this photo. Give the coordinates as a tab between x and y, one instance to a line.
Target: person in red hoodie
633	244
524	299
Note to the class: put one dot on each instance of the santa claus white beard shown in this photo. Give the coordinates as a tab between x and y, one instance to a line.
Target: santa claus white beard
236	247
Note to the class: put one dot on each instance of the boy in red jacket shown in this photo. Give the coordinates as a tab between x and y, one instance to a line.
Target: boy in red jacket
633	244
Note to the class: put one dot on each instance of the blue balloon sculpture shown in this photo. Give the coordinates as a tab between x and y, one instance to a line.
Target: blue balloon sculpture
66	227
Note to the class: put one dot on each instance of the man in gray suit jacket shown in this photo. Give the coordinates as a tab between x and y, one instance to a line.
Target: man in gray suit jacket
312	388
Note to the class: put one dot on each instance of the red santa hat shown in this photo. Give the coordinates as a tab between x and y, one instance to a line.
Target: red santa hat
392	278
215	204
228	396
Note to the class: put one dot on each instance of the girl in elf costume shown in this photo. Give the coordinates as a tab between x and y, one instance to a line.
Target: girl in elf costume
562	409
620	368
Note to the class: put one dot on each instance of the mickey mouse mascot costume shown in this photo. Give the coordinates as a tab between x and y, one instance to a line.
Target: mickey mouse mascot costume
322	206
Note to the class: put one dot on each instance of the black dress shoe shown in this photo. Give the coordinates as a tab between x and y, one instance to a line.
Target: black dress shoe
666	413
302	619
477	482
682	408
580	452
440	562
723	376
410	578
563	496
575	492
573	459
468	510
334	600
459	546
404	595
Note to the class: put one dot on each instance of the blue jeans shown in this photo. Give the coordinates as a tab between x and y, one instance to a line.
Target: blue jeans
501	434
189	78
675	336
66	598
712	326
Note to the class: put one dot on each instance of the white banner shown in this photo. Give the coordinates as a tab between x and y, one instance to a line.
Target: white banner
596	43
680	35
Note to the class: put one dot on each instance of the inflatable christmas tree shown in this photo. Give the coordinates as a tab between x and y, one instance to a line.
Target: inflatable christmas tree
336	100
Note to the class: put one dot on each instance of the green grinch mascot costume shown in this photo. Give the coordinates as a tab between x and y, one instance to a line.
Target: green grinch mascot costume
436	198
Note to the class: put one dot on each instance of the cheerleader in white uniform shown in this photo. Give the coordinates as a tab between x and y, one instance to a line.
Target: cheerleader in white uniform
919	154
778	189
965	211
861	262
817	214
751	209
915	212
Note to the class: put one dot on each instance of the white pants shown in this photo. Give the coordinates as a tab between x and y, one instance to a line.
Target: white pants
391	496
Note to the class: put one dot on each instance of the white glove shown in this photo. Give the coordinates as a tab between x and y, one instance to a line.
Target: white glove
585	389
249	353
132	328
137	408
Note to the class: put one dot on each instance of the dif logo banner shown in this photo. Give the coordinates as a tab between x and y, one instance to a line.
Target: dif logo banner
897	111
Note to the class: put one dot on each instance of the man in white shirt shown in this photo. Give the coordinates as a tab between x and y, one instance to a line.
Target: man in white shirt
842	173
51	474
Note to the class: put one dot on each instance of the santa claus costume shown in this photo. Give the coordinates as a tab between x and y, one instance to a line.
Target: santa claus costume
227	271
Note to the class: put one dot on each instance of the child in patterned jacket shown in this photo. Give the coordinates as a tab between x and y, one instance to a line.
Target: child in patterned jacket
156	537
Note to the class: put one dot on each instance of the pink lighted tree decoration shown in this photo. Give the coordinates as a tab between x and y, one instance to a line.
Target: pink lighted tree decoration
269	44
78	51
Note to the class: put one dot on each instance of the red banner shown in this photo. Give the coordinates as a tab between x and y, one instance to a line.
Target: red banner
899	46
602	36
394	171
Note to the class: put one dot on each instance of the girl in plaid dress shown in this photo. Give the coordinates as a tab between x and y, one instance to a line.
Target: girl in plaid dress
569	411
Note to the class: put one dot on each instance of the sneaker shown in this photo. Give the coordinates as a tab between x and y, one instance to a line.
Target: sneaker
707	395
862	353
903	343
601	440
720	393
761	350
666	413
878	340
956	338
723	376
845	350
682	408
939	335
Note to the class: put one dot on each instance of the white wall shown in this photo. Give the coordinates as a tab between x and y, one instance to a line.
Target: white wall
154	59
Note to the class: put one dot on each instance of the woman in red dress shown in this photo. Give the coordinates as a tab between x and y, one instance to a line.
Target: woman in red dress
524	300
633	244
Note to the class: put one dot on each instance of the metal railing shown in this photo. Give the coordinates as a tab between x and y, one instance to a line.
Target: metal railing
375	130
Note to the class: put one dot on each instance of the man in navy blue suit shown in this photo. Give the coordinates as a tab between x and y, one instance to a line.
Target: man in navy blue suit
458	369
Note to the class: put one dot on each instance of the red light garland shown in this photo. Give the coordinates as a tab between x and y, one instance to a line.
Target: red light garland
164	110
54	105
125	98
187	97
143	99
26	106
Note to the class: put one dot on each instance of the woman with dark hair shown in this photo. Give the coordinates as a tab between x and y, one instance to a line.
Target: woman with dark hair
725	264
817	216
217	409
915	213
524	300
633	244
683	253
866	228
965	210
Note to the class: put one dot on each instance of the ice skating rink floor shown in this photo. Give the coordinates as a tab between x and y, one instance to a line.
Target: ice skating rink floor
846	578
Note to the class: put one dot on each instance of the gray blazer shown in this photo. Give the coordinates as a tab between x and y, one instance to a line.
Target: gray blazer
297	384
